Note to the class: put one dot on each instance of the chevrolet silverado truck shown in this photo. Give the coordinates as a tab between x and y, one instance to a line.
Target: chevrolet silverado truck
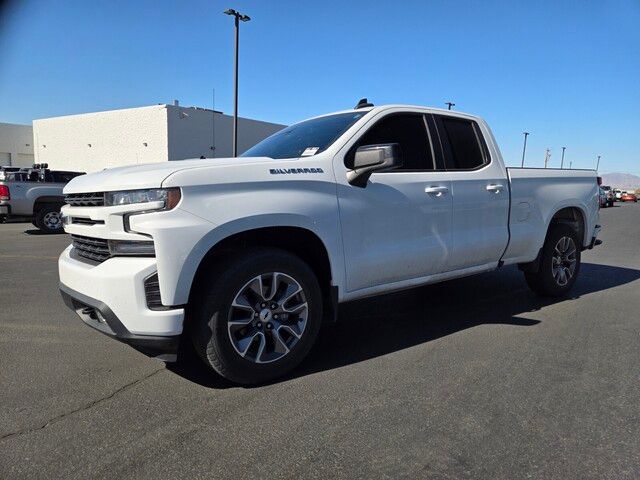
246	257
35	193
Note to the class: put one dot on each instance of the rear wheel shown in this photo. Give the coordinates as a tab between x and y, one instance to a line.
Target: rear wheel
258	317
49	219
559	265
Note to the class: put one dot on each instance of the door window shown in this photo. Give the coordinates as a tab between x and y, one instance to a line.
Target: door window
409	131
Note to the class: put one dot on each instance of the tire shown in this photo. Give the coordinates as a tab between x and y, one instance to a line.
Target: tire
544	282
221	344
48	219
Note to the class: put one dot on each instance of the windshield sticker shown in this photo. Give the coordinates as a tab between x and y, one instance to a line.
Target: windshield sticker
309	151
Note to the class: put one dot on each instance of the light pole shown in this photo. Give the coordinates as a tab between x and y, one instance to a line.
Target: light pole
562	161
547	156
449	105
238	17
524	148
598	164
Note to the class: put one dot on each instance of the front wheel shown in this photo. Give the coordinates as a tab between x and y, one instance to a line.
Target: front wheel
559	265
258	317
49	219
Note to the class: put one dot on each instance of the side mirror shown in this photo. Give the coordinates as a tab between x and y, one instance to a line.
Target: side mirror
373	158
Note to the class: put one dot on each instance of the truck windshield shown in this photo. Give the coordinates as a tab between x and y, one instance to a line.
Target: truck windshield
305	138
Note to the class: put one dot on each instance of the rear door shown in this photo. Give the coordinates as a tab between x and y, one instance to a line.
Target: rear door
479	191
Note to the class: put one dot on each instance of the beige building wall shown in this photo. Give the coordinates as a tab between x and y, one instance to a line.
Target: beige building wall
194	131
16	145
93	141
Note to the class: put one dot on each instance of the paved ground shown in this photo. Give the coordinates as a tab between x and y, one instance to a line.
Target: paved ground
474	378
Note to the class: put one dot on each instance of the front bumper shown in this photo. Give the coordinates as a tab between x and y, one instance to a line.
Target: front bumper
99	316
115	290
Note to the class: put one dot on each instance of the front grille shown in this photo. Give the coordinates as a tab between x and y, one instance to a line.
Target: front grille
95	249
152	293
86	221
85	199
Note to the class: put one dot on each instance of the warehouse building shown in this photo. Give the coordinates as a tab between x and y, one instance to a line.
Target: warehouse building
93	141
16	145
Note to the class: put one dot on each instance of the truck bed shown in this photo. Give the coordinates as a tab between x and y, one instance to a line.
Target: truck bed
536	194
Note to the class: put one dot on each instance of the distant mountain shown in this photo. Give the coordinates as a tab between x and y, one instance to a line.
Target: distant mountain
624	181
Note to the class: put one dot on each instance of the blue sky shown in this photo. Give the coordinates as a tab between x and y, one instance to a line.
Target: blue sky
567	71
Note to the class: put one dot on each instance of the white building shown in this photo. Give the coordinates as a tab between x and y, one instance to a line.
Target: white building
16	145
93	141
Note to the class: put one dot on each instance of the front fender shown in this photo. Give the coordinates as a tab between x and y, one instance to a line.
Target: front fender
183	239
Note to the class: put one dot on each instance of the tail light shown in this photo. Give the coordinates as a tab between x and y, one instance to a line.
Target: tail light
4	193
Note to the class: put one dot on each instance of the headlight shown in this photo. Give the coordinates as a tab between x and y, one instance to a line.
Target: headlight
132	247
169	196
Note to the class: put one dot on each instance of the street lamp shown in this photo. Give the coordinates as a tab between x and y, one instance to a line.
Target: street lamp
449	105
547	156
598	163
562	161
245	18
524	148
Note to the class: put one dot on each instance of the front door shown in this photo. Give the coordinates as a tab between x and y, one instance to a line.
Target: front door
398	227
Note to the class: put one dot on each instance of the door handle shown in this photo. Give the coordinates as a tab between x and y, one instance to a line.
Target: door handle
438	191
495	188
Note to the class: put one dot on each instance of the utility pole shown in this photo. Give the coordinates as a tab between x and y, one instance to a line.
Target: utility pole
562	161
449	104
547	155
598	164
524	148
238	17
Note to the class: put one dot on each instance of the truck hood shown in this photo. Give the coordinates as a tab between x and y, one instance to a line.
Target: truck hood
149	175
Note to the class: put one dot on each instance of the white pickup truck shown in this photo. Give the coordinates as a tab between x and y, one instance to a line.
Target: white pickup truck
246	257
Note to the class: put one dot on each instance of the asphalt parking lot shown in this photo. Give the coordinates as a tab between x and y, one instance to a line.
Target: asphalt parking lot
473	378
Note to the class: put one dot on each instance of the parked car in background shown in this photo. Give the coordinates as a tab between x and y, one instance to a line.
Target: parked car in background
248	256
628	197
609	194
617	193
602	198
35	193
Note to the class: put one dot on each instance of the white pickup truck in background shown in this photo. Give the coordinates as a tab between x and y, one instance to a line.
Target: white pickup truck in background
246	256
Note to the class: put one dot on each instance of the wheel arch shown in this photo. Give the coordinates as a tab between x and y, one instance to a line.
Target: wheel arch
43	200
574	216
298	240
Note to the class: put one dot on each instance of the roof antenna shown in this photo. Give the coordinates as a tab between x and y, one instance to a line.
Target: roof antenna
363	103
